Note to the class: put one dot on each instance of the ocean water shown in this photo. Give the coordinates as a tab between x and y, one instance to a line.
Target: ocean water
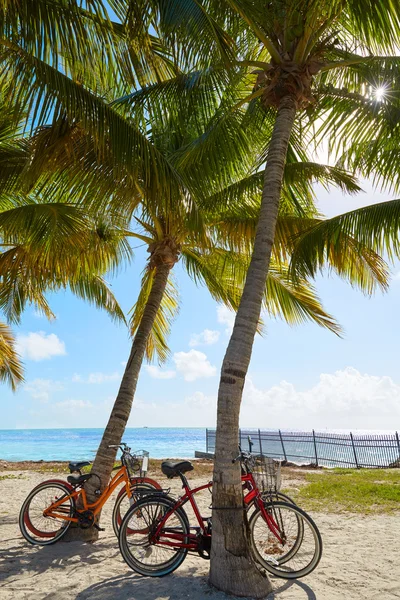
81	444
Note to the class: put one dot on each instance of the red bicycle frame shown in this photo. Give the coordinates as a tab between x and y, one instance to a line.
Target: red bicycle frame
162	537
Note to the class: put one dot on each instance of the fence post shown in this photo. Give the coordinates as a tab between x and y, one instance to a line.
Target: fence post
354	450
283	447
260	442
398	442
315	448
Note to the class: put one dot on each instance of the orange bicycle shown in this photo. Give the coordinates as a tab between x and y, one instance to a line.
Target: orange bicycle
51	507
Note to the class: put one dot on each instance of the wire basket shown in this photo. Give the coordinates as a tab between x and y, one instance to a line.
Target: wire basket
138	462
267	473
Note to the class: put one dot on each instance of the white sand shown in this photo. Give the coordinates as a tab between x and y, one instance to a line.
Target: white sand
361	560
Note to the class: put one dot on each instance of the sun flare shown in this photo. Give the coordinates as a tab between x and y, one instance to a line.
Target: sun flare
380	93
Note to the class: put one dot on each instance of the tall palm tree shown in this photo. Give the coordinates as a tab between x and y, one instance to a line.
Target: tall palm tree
298	53
193	232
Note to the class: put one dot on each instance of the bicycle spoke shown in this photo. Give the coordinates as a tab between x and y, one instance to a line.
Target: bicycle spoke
147	547
38	528
298	551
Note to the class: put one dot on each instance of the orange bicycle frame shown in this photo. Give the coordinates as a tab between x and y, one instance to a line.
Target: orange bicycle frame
120	477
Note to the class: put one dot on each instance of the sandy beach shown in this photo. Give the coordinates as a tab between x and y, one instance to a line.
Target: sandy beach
361	559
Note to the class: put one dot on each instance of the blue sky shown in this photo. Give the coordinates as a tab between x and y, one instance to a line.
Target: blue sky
300	377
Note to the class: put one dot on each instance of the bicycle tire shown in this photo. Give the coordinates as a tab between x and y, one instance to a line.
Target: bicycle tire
271	555
272	496
137	492
30	530
134	554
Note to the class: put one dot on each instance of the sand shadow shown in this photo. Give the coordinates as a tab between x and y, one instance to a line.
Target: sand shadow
309	594
14	559
173	587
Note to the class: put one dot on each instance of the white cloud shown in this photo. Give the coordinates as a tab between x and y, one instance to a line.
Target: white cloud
73	405
201	401
205	338
226	317
158	373
95	378
40	346
193	365
71	413
40	389
103	377
344	399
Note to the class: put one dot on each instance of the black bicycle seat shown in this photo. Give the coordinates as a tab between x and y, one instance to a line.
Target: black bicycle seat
172	469
78	480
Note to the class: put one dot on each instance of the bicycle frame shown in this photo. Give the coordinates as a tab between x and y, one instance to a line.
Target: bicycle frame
121	476
177	540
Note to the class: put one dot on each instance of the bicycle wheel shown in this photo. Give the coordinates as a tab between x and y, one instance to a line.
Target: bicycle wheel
298	551
35	527
267	498
140	551
272	496
123	503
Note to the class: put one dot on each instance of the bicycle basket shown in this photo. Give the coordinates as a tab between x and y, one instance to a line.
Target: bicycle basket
267	473
138	462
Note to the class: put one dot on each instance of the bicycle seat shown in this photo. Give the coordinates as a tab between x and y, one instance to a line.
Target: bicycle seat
172	469
78	480
77	466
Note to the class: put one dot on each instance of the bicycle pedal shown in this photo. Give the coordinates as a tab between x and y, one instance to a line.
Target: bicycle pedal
98	528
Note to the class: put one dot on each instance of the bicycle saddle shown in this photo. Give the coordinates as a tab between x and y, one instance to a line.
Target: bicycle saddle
78	480
172	469
77	466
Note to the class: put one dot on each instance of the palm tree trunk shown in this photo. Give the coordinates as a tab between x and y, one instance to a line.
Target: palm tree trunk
232	568
105	457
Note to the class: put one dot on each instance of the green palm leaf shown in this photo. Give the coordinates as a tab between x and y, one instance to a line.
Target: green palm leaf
350	243
11	370
157	343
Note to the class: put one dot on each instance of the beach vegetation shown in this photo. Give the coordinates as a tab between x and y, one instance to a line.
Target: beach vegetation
365	491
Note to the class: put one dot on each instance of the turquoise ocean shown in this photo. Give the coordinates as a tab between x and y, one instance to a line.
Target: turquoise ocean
80	444
182	442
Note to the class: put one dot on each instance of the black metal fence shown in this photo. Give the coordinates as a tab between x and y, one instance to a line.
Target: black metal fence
321	449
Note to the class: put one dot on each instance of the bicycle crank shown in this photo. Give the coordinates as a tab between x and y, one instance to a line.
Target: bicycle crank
85	519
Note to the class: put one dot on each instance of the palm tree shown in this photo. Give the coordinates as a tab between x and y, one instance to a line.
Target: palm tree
298	53
192	232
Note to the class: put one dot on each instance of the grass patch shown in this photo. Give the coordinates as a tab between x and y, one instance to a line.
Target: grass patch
364	491
11	476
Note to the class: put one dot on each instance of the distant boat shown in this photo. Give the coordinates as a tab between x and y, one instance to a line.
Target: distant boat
145	427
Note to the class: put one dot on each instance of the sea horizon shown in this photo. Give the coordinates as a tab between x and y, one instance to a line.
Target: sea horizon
80	443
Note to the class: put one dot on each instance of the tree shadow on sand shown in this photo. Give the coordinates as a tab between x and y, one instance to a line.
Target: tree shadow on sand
14	560
174	587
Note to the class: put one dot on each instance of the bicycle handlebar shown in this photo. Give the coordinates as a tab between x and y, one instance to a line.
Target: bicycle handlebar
242	456
123	446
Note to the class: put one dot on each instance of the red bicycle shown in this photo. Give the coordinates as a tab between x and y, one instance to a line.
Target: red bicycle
155	535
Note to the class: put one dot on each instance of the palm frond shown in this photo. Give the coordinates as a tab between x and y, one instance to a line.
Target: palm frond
295	301
95	290
351	243
157	343
42	91
11	370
